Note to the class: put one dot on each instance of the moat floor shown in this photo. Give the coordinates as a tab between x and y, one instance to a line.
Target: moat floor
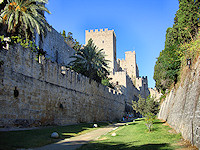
76	142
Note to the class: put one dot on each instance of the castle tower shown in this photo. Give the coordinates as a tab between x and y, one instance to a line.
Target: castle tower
129	64
106	40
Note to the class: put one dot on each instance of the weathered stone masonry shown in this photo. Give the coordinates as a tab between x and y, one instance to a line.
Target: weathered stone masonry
181	108
33	93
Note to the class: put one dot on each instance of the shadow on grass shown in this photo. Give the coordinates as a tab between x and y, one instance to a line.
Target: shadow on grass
118	146
132	124
41	137
65	136
158	122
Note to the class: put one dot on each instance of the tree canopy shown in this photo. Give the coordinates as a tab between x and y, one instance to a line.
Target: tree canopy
187	20
24	17
146	106
90	62
184	30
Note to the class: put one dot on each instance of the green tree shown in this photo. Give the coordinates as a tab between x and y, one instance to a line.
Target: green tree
23	16
149	120
145	106
148	108
171	38
185	29
187	20
90	62
166	70
3	27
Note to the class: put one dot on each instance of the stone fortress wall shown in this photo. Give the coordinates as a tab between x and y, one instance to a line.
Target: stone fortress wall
181	107
33	94
55	46
155	94
130	66
124	85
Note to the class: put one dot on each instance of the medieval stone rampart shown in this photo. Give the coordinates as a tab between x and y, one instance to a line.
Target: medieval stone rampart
136	83
33	93
124	84
181	108
55	46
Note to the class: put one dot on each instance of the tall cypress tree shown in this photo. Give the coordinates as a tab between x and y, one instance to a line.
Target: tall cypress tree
185	28
171	37
187	20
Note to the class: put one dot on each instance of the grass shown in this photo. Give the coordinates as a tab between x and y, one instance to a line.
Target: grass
136	137
39	137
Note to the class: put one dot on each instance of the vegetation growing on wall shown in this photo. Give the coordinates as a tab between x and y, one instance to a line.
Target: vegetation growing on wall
73	43
180	36
26	43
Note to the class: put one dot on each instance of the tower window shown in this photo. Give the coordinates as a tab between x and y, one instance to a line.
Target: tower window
102	41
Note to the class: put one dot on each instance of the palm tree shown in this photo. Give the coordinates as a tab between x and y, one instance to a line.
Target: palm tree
3	27
23	16
90	62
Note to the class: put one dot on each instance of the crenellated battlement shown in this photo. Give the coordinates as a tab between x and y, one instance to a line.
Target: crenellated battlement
49	91
130	52
99	30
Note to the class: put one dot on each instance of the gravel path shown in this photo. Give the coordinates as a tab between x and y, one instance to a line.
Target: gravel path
76	142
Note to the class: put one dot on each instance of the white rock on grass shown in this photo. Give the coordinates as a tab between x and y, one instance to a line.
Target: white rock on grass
54	135
95	125
113	134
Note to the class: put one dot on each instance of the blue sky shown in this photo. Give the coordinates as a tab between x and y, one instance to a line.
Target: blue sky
139	25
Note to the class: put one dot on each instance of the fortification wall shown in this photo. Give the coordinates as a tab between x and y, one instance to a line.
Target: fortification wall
33	93
133	92
126	86
138	82
55	46
155	94
129	64
141	84
181	108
